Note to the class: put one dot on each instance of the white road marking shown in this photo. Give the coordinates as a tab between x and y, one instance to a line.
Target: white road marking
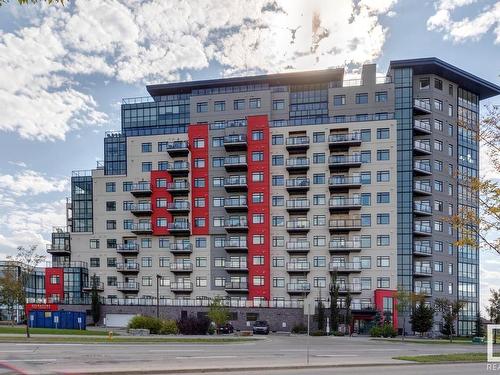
16	351
175	350
31	360
209	357
335	355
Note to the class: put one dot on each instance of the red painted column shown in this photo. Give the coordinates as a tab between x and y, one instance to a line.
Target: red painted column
159	192
198	132
259	123
54	289
379	295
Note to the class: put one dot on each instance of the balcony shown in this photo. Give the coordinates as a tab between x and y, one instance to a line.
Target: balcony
128	287
422	209
179	228
420	188
345	267
340	246
422	168
178	148
235	204
298	247
127	267
423	127
422	270
235	183
298	205
235	163
182	287
178	168
141	209
127	248
301	267
423	290
344	204
179	207
345	288
99	286
235	266
344	141
142	228
181	267
420	249
236	287
344	183
344	225
178	187
181	248
235	142
297	165
141	189
236	225
298	226
297	144
298	288
59	249
422	147
344	162
422	230
297	184
421	106
236	245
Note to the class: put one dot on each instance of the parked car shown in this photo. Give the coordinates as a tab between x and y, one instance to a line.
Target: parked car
226	328
261	326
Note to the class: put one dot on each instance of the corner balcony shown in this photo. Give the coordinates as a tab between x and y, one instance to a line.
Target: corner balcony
345	267
344	141
297	184
142	228
235	142
181	267
128	287
426	291
179	228
298	247
422	229
420	188
236	287
344	162
88	287
235	184
141	209
235	266
141	189
340	247
181	287
178	187
344	225
352	288
344	183
423	127
178	148
235	163
422	209
236	245
421	168
421	106
297	144
298	288
298	205
181	248
235	204
179	207
236	225
298	226
59	249
178	168
421	249
127	248
300	267
422	270
421	147
128	268
297	165
344	204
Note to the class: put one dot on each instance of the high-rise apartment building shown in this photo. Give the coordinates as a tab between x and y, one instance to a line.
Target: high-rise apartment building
259	189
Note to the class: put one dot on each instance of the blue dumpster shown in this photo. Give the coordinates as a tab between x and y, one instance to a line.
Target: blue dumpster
58	319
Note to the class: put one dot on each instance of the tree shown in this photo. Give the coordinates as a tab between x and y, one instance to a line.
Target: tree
10	289
27	260
348	315
422	317
25	2
96	303
218	313
449	310
334	309
479	329
403	305
321	313
493	310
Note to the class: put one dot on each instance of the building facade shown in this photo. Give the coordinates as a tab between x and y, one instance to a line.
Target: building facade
260	189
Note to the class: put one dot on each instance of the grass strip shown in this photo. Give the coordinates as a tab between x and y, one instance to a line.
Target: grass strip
445	358
51	331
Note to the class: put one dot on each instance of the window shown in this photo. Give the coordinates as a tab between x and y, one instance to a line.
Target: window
278	262
450	110
278	241
258	239
202	107
278	282
366	156
146	262
278	221
319	199
258	219
147	166
111	243
277	160
366	199
319	241
438	145
110	187
438	185
381	96
201	281
258	198
199	163
319	220
438	104
278	104
438	246
257	176
147	147
366	283
218	181
94	244
319	178
382	155
199	222
366	135
339	100
438	84
438	125
366	220
199	143
146	243
366	262
128	224
95	262
111	280
277	139
318	137
383	197
438	205
199	182
278	180
362	98
257	156
450	90
147	280
127	186
383	240
319	282
450	269
383	176
257	135
163	243
438	225
450	189
162	146
217	141
383	133
438	266
111	206
161	202
383	219
425	83
383	282
278	201
318	158
110	224
450	130
201	243
201	262
54	279
438	286
254	103
383	261
161	222
258	280
239	104
219	106
161	182
162	165
366	178
450	150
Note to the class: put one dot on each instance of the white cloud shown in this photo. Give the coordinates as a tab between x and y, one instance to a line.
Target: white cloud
465	29
29	182
145	41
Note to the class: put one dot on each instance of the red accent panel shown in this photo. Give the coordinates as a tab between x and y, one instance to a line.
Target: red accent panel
379	295
157	192
51	289
41	307
259	123
199	131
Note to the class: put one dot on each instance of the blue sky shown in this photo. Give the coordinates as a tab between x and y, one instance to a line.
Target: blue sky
64	71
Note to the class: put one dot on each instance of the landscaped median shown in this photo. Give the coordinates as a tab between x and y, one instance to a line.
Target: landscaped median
445	358
50	331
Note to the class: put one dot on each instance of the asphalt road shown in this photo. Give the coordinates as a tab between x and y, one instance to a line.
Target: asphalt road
36	358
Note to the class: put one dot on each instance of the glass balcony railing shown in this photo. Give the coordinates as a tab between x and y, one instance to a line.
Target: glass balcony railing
344	202
235	202
422	270
424	104
297	162
297	141
298	245
423	249
422	187
344	180
127	286
141	207
423	126
177	145
181	266
422	228
235	181
181	247
236	223
298	225
422	166
235	138
422	207
178	166
298	287
345	266
235	243
298	266
344	159
422	146
178	225
235	265
178	185
141	187
344	245
142	227
235	160
298	183
133	267
344	138
132	247
298	204
179	205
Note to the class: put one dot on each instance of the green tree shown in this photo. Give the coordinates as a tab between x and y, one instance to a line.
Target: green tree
449	311
422	317
493	310
479	329
348	315
218	313
10	289
403	305
96	303
25	2
334	298
321	315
